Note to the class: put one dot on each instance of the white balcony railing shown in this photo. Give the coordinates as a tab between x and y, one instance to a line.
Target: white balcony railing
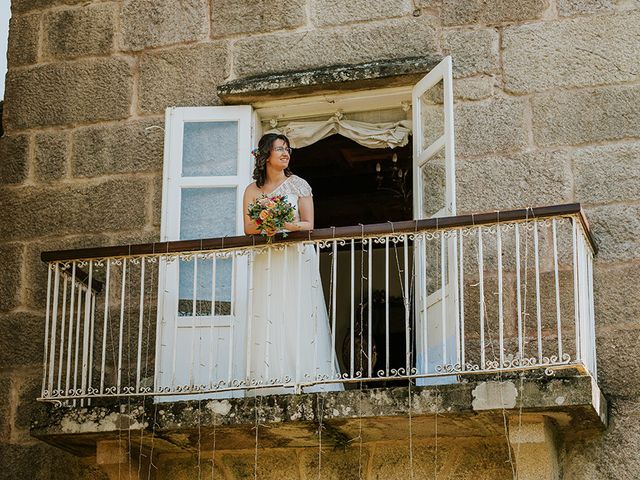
430	300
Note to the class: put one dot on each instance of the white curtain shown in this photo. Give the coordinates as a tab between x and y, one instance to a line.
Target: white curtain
371	135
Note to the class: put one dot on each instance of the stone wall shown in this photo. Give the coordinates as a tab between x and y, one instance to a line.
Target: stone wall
547	95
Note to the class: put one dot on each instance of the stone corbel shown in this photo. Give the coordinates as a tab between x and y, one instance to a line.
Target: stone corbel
533	441
114	459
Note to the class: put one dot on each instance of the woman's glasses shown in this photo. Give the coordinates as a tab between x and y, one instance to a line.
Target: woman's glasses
283	149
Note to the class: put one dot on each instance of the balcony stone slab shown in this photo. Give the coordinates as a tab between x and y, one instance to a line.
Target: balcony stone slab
476	408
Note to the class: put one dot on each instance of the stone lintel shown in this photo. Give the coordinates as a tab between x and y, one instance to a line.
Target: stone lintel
378	74
574	403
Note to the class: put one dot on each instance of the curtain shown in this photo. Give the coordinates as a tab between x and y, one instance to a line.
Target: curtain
371	135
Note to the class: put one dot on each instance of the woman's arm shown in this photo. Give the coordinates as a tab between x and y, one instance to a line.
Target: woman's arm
250	227
305	208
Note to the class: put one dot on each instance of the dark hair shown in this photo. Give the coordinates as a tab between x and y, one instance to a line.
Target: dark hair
262	154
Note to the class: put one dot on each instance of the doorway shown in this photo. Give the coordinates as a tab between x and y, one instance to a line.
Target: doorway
352	185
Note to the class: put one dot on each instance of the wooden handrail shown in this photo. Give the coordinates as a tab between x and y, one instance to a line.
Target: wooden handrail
375	229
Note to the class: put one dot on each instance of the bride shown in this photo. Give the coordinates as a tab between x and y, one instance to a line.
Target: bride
288	332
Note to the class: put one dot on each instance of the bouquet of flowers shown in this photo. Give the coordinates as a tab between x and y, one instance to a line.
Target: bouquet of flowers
271	214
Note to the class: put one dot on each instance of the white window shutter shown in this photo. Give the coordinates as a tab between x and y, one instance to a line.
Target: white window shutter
434	188
207	165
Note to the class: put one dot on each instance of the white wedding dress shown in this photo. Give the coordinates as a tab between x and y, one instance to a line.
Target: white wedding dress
288	332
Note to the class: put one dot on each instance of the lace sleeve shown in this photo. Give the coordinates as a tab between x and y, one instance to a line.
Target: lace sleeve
299	187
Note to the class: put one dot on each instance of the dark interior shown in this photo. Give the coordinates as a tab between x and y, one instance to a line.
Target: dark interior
347	190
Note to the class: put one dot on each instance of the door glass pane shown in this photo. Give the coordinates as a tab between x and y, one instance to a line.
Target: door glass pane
206	213
210	148
432	109
433	185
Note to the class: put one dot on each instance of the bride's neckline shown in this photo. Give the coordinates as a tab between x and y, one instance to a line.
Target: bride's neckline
278	187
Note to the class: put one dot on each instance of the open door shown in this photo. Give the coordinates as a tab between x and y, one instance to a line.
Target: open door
437	333
202	301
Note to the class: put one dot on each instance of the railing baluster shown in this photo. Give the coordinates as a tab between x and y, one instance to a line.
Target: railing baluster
538	308
590	309
500	297
482	302
557	285
386	304
194	318
54	319
452	268
250	293
370	306
576	295
140	324
461	300
105	325
46	333
121	330
284	300
443	300
298	373
62	330
91	341
585	313
352	327
425	325
518	293
212	327
86	331
407	307
174	339
334	291
314	316
267	356
71	322
232	312
77	345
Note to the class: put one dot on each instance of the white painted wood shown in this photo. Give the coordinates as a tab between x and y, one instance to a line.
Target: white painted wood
421	153
191	335
440	319
328	104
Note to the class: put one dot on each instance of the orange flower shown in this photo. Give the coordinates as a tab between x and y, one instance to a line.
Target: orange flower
264	214
271	204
